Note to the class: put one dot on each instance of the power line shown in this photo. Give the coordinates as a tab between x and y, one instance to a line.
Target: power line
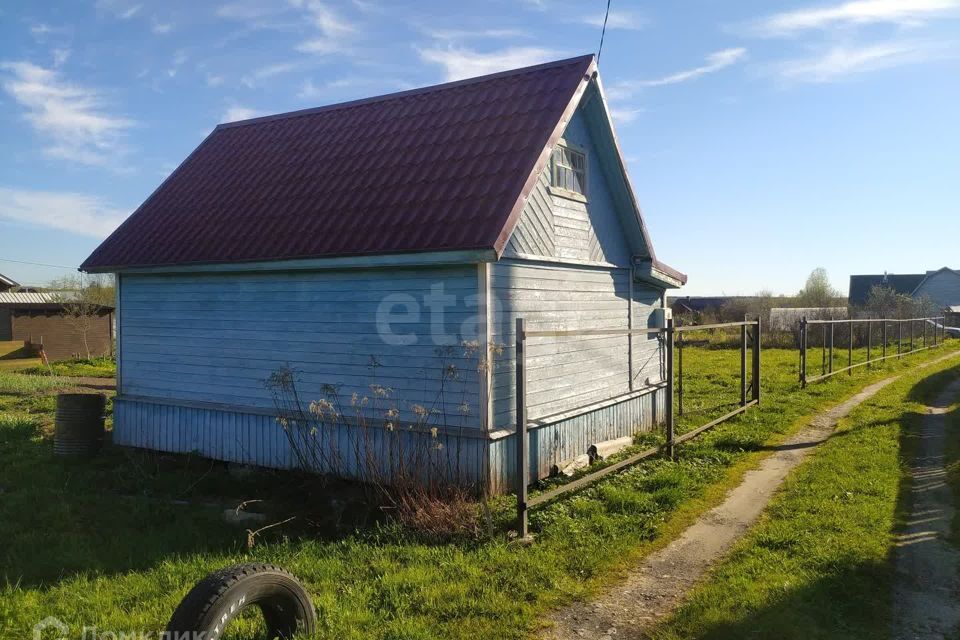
38	264
603	32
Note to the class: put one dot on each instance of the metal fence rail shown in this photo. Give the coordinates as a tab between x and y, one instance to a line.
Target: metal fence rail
827	342
668	335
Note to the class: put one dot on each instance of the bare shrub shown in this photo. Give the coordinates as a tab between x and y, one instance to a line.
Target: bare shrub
407	456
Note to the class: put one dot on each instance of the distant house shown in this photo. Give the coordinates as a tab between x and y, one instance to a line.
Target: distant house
942	286
38	319
6	284
389	229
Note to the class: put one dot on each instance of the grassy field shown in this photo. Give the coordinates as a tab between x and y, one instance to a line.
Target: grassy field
81	367
117	542
817	565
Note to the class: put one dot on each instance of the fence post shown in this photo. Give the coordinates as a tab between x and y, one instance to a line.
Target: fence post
911	335
521	399
670	388
823	349
680	374
884	338
831	347
869	343
803	351
899	338
924	333
743	364
756	362
850	348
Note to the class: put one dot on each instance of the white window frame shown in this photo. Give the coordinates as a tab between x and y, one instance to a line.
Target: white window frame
554	182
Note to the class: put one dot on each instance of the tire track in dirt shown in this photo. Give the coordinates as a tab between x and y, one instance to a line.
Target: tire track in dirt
927	589
660	583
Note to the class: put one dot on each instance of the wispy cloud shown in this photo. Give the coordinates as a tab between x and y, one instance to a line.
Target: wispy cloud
857	12
256	76
73	118
60	56
236	112
471	34
123	9
714	62
67	211
332	30
617	20
465	63
160	28
841	62
625	115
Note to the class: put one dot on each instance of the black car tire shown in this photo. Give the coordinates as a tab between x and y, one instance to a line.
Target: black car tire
216	600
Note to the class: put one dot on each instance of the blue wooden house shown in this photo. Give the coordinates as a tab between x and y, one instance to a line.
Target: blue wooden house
395	230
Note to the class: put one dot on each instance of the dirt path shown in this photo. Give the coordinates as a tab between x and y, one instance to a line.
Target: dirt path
656	587
99	384
927	592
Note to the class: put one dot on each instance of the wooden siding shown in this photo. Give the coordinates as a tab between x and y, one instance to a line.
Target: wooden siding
554	226
556	441
218	337
565	373
942	287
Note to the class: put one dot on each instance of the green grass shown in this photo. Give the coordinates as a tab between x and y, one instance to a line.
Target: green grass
817	564
19	383
100	543
81	368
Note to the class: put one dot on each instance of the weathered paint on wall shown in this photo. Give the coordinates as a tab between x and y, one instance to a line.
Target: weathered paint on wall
565	373
556	226
942	287
218	337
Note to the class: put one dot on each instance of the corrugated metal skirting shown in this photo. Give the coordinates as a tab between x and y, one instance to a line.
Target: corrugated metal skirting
555	442
257	439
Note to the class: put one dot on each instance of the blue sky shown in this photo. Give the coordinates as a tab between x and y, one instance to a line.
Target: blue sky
763	138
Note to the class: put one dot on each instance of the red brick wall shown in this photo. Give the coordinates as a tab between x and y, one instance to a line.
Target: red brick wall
61	339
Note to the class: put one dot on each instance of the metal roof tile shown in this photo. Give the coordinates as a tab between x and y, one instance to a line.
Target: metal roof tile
435	168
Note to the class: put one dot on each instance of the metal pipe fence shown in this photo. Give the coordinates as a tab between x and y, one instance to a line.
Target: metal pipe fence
934	327
750	334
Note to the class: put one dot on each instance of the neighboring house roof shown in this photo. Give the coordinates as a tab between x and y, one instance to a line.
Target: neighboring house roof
901	283
20	297
442	168
7	283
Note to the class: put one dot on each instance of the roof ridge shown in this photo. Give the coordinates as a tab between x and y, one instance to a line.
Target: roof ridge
402	94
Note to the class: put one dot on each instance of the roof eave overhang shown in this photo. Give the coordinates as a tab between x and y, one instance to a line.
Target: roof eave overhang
658	273
412	259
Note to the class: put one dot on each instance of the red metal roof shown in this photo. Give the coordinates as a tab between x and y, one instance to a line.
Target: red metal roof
433	169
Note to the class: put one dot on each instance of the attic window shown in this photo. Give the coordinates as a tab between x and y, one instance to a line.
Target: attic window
570	169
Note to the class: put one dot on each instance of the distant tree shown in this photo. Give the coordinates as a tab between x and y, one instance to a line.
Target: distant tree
818	292
82	300
885	302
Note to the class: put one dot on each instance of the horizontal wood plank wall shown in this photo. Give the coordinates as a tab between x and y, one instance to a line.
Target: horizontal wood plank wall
554	442
555	226
218	337
566	373
257	439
